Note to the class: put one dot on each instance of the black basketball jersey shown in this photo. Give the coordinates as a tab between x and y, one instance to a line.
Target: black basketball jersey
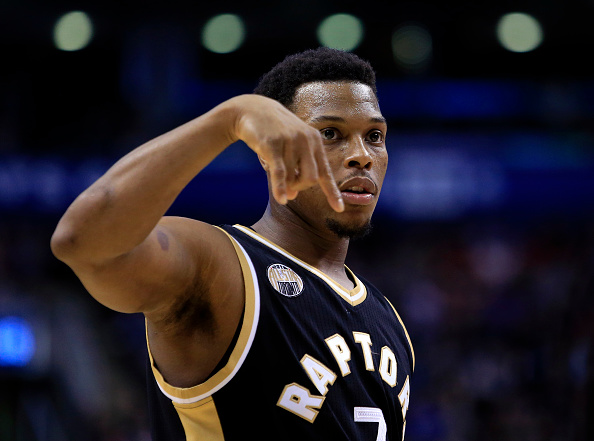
311	361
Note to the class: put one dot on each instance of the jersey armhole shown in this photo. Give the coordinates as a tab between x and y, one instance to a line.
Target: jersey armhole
245	337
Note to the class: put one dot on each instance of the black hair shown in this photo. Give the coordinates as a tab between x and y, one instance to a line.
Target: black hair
322	64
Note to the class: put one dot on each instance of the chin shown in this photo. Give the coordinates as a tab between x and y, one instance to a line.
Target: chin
347	230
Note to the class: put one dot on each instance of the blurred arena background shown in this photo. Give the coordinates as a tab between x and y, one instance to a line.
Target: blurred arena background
484	236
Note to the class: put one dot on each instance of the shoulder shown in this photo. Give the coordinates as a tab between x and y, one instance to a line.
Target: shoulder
207	249
189	334
214	273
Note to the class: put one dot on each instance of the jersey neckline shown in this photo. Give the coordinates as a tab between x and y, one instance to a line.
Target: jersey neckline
353	296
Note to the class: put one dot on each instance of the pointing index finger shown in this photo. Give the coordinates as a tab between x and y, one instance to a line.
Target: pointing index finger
328	185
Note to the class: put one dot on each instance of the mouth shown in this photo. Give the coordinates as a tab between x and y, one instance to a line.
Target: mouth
358	191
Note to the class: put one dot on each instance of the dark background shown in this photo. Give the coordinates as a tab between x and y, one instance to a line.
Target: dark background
483	237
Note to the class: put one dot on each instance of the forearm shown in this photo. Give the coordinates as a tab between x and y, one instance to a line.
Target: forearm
121	208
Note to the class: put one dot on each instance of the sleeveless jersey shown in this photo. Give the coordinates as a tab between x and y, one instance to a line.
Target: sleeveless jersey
311	360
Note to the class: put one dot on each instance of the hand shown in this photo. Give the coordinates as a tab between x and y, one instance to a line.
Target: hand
291	150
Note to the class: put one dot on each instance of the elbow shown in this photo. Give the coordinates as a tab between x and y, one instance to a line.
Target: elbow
72	236
68	246
69	242
64	243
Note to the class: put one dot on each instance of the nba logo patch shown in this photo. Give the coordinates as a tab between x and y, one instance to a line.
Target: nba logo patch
285	280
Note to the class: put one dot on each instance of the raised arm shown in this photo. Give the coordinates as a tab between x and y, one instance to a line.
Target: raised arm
114	235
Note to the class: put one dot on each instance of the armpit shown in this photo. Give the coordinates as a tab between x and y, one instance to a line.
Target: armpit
190	312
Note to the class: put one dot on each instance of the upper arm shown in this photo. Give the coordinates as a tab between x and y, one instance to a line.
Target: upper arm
177	257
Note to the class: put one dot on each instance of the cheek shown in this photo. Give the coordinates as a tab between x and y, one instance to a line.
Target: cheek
383	159
381	164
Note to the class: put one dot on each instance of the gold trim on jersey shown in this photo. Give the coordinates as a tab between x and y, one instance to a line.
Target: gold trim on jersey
354	296
412	351
193	395
200	421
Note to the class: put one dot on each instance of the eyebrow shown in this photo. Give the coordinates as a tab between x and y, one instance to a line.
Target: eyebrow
331	118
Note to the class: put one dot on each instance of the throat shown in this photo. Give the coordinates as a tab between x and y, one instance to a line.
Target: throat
343	278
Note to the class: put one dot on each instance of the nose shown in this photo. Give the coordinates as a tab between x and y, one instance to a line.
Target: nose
358	155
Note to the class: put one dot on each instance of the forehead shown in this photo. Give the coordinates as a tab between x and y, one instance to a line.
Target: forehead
335	97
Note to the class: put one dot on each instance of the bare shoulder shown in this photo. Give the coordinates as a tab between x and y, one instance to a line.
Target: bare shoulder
206	240
189	335
211	263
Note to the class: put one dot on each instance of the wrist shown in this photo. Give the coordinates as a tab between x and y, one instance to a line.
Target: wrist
231	113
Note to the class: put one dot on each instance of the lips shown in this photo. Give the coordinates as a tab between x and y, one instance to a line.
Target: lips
358	191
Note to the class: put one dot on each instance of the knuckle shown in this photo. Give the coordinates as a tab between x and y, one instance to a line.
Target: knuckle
313	132
274	140
279	173
291	135
315	137
297	136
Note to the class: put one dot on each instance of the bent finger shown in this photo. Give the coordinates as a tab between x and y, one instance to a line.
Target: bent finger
278	180
307	172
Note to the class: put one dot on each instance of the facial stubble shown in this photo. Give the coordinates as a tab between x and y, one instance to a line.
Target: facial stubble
345	231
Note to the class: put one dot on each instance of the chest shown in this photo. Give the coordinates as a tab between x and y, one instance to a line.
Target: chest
328	346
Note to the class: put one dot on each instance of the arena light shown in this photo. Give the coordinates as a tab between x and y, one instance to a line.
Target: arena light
223	33
17	342
412	47
73	31
341	31
519	32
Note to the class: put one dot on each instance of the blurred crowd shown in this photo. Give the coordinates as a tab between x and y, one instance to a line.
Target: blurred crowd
500	314
502	320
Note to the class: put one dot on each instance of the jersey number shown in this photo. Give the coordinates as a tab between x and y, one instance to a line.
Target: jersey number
372	415
375	415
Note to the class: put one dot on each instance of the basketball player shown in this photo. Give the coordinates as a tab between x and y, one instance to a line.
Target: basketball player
256	332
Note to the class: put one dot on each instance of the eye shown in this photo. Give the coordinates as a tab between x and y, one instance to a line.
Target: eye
376	136
329	134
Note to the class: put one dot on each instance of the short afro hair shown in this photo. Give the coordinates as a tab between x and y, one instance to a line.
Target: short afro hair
322	64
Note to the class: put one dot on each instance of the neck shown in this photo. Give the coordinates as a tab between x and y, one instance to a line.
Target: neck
321	249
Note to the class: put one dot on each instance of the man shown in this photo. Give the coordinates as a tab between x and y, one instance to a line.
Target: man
256	332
